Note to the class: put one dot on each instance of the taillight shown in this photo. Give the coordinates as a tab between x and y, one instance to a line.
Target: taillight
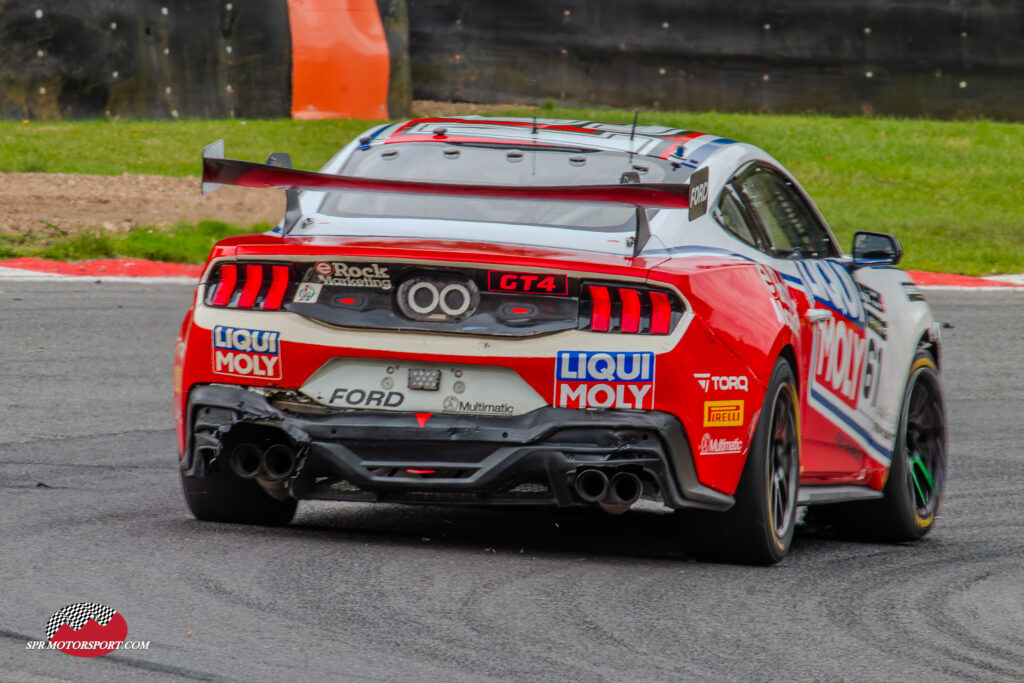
605	307
248	285
630	320
225	287
600	308
661	313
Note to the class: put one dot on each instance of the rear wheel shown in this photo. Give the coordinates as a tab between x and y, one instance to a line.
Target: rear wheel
758	528
224	497
917	474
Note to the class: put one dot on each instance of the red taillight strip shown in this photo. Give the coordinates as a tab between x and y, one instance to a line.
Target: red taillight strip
226	286
601	313
661	313
630	310
278	286
253	282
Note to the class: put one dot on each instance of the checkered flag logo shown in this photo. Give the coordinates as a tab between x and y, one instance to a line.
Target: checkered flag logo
77	614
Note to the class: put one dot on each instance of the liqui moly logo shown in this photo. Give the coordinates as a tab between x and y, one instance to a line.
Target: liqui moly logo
839	361
599	379
829	282
246	353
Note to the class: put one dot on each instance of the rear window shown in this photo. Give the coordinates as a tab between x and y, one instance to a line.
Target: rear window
496	164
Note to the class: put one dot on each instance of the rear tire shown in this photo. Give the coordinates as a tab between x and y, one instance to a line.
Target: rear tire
223	497
758	528
917	474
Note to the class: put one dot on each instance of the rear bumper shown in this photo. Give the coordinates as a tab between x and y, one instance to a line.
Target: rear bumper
531	459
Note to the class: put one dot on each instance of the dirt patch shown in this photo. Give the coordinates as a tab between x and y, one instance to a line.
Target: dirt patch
31	201
37	201
430	108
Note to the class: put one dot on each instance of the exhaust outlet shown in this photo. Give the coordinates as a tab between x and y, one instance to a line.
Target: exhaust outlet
277	462
246	460
624	489
591	485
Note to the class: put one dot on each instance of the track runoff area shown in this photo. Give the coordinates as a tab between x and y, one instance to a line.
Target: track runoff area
141	270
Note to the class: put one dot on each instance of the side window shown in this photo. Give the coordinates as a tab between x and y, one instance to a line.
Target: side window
733	218
784	215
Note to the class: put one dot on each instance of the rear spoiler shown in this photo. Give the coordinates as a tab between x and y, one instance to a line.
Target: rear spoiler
278	174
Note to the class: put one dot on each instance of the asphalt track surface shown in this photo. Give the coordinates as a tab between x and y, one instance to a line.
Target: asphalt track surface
92	512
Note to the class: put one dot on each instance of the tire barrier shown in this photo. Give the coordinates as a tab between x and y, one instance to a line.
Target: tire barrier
944	58
160	59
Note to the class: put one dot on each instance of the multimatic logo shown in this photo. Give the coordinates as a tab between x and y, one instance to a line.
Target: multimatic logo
712	446
454	405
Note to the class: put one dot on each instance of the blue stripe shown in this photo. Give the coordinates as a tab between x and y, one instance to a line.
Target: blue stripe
863	433
701	154
712	251
791	278
374	134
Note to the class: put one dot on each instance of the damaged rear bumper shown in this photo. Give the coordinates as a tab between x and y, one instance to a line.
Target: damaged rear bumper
365	455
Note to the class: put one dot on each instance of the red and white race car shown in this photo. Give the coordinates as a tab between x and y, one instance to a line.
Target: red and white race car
559	313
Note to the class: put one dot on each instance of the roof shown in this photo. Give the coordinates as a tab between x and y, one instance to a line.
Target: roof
687	147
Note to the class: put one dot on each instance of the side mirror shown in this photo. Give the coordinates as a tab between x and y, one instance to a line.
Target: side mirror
876	249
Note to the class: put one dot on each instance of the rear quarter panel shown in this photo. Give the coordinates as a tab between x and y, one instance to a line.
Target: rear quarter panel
742	323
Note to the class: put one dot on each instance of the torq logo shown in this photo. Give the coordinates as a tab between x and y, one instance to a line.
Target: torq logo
721	383
442	298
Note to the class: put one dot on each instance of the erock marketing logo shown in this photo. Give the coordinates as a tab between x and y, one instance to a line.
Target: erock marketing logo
246	353
599	379
86	629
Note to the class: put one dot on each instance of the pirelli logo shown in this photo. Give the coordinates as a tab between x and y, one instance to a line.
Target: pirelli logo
723	413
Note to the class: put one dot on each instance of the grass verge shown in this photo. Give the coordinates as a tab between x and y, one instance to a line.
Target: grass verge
948	189
164	147
184	243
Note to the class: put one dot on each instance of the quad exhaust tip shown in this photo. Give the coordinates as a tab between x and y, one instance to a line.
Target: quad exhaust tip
275	463
615	495
591	485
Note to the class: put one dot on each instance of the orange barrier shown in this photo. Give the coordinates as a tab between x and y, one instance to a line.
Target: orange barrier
340	63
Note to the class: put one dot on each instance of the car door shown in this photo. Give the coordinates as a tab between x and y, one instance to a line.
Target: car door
840	353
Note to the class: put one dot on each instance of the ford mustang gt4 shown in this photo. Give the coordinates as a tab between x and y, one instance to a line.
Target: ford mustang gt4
556	313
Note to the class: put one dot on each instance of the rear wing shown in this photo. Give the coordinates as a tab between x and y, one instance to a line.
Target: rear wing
278	174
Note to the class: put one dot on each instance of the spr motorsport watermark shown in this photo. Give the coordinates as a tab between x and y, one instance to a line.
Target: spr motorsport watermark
87	629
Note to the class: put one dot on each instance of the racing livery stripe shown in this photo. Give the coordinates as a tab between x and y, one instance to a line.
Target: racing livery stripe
882	454
702	153
673	143
699	251
456	138
496	122
370	138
